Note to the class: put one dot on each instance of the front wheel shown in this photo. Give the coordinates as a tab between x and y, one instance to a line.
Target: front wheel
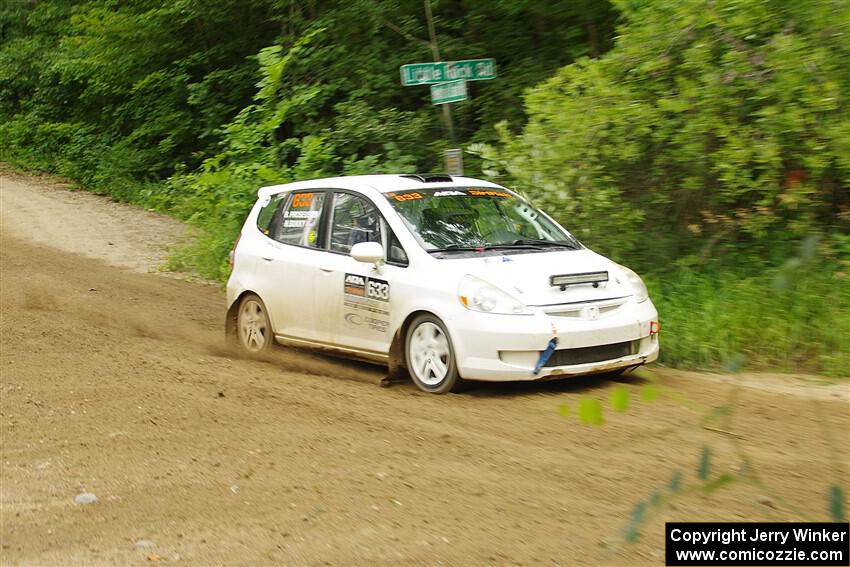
430	356
253	326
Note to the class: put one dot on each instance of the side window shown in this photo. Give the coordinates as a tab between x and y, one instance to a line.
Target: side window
395	252
354	220
299	223
269	218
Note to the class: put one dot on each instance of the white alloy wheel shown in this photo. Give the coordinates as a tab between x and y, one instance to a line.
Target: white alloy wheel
430	357
255	334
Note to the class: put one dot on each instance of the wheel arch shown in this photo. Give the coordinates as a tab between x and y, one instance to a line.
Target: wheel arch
232	313
396	358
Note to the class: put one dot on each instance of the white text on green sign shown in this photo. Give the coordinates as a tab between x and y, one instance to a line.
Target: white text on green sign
452	91
442	71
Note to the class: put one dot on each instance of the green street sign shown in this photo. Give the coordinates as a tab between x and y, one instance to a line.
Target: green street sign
452	91
442	71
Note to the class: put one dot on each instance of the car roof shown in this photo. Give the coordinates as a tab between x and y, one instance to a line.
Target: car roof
383	183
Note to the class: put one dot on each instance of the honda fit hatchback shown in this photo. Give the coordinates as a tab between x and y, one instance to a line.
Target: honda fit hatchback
446	278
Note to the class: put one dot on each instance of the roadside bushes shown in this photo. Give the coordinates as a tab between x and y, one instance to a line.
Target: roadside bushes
732	321
712	128
704	149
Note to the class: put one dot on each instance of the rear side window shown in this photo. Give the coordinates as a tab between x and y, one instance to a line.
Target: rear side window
269	215
299	221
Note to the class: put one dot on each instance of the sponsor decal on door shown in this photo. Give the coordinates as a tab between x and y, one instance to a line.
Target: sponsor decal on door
366	302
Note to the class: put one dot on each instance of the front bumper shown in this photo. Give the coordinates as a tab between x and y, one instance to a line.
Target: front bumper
507	347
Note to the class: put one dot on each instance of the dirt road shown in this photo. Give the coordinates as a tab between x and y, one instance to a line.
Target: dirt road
115	381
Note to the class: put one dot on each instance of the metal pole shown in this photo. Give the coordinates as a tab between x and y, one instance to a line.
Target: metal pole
448	122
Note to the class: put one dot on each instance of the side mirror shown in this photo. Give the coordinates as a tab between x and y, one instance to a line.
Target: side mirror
368	252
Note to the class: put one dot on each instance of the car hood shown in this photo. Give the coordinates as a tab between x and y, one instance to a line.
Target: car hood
526	276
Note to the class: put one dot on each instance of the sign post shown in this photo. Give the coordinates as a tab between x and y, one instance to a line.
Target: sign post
448	84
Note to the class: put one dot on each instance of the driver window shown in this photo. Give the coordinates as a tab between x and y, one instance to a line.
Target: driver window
354	220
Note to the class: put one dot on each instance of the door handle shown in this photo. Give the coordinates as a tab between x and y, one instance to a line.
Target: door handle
327	270
268	259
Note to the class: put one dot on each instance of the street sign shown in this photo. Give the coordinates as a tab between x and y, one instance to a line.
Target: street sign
452	91
454	162
442	71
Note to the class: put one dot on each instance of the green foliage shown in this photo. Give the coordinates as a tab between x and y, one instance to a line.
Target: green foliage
717	483
635	520
730	319
675	483
711	127
644	508
163	77
837	503
590	411
707	479
649	393
704	149
190	105
620	399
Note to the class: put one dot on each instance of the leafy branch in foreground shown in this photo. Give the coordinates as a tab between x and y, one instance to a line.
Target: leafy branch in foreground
706	480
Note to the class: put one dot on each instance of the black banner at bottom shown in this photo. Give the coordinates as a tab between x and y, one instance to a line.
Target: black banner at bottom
757	543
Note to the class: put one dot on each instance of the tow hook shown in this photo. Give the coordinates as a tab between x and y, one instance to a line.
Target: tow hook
547	352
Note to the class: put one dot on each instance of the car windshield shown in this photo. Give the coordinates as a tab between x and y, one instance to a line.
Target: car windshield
475	218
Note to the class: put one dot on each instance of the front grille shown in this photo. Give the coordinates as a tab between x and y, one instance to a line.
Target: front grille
570	356
577	313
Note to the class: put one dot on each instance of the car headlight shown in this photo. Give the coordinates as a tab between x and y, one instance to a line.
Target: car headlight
477	295
638	287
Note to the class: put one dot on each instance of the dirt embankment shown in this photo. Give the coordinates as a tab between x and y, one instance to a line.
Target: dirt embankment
114	381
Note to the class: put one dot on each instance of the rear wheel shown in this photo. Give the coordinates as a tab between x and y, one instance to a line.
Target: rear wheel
253	326
430	356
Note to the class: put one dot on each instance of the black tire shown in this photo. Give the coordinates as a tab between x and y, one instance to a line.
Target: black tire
428	350
253	328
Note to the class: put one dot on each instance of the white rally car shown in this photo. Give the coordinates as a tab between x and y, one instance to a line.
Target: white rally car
451	278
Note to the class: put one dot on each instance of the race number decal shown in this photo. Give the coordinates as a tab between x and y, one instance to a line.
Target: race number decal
378	289
301	200
366	303
409	196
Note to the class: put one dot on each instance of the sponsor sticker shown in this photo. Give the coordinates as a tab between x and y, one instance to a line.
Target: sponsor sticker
302	200
402	196
355	285
300	219
488	193
354	318
366	302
